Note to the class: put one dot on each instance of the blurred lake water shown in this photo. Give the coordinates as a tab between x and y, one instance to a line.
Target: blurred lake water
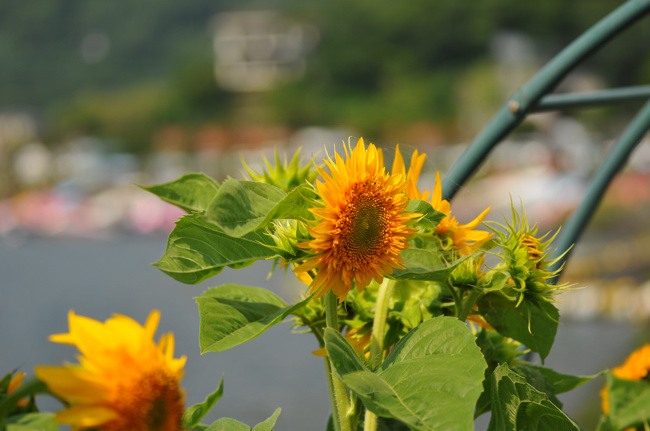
41	279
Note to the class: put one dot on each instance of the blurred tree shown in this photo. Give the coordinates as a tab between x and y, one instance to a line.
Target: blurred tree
379	63
383	61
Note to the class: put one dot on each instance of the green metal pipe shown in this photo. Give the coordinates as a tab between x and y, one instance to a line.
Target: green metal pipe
614	162
557	102
515	109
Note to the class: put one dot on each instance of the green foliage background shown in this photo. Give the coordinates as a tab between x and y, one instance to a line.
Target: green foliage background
376	61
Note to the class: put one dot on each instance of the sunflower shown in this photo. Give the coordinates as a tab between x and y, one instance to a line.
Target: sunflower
362	228
124	380
635	367
463	237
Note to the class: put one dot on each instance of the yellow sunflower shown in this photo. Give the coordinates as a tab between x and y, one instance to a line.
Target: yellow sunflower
463	237
124	380
635	367
362	228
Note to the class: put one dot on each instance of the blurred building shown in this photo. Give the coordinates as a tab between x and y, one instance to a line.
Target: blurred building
255	51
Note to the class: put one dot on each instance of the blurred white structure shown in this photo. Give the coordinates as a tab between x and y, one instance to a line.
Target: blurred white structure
257	50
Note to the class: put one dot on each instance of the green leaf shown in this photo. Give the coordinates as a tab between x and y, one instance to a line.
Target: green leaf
194	414
197	250
536	380
384	424
343	356
557	382
330	424
28	388
629	401
533	324
232	315
605	424
494	281
430	217
191	192
241	206
269	423
424	261
484	404
544	416
516	405
227	424
32	422
431	380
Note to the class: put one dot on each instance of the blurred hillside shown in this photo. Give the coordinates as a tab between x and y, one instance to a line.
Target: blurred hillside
96	96
120	70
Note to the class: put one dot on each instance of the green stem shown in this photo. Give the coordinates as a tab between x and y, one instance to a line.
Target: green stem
330	377
377	339
379	323
331	311
467	304
339	397
331	389
370	421
458	300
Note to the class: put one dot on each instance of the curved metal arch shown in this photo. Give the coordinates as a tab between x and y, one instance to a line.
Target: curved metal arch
532	97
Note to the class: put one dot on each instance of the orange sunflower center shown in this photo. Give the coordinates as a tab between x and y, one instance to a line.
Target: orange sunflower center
153	403
363	223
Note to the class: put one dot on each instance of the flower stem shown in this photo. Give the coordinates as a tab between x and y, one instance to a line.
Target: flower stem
377	339
339	397
379	323
330	387
370	421
467	304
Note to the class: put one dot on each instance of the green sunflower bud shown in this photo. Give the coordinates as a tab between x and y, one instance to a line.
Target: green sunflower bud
285	175
526	259
287	234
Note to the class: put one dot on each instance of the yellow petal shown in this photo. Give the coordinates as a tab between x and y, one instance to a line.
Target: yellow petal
86	416
73	384
399	167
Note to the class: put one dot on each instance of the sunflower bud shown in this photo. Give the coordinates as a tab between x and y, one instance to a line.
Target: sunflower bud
285	175
526	259
286	234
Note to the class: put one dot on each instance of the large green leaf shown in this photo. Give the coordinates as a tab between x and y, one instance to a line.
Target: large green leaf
191	192
227	424
533	324
232	315
430	381
516	405
629	401
193	415
543	379
197	250
32	422
241	206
